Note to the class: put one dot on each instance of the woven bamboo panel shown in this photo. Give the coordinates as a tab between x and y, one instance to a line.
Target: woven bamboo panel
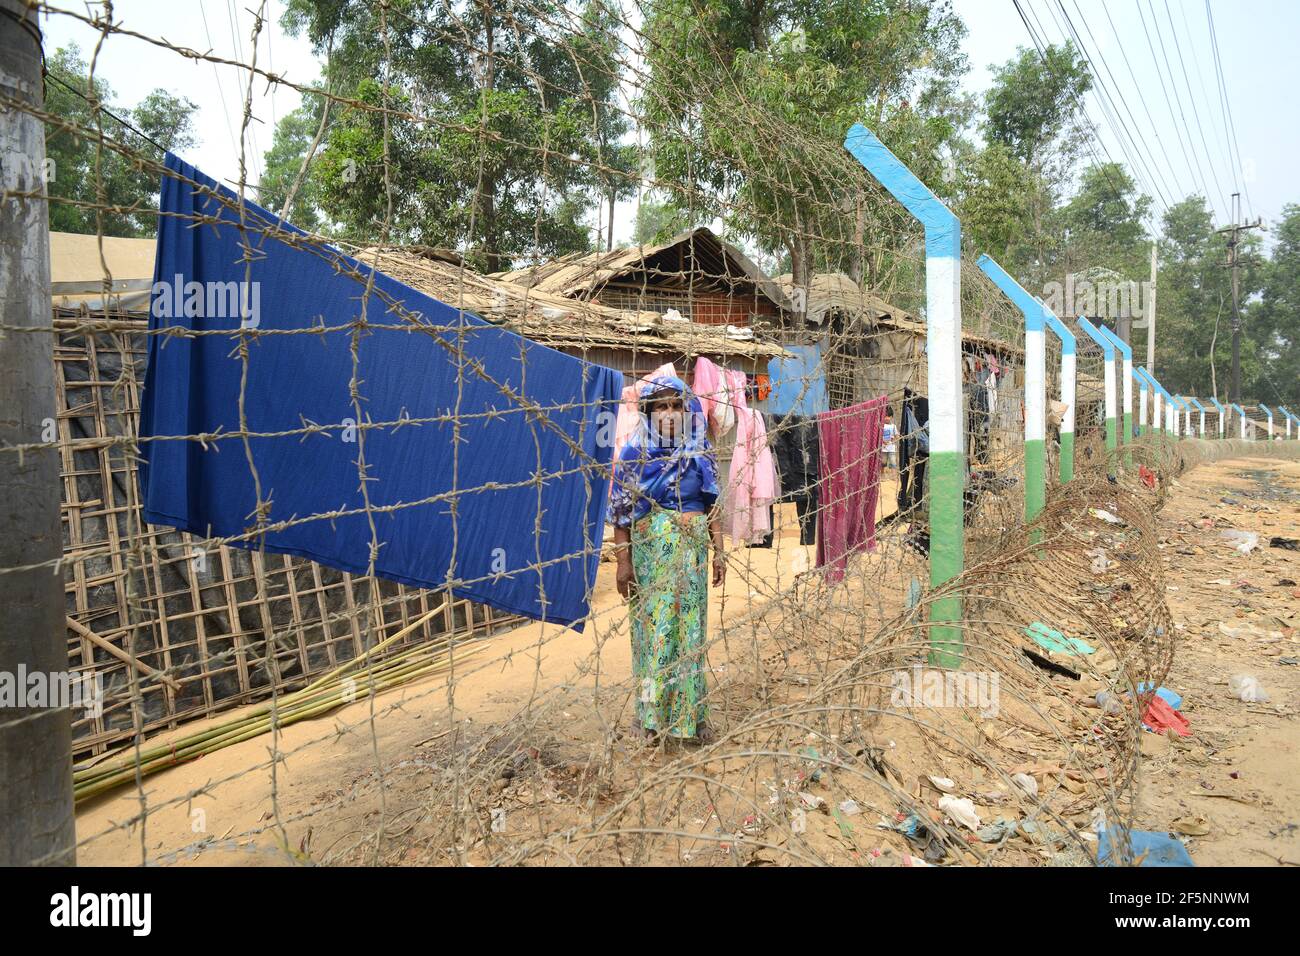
208	628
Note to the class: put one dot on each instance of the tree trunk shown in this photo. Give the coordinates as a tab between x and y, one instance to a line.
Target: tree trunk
609	242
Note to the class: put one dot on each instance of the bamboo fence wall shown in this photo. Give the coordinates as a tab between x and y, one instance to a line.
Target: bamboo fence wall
208	628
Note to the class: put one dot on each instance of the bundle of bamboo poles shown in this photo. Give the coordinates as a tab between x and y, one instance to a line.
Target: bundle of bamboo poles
346	684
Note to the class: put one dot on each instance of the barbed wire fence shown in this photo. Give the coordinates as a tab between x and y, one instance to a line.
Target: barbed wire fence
826	748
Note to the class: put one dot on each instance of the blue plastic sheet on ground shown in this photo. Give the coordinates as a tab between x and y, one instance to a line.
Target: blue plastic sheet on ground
489	407
1146	848
1172	698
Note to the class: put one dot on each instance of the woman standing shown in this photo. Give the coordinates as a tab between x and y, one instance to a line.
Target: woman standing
664	510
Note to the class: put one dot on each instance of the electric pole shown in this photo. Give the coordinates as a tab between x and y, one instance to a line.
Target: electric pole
1151	316
36	807
1233	233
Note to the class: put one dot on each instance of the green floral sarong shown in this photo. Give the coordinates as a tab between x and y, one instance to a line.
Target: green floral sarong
669	613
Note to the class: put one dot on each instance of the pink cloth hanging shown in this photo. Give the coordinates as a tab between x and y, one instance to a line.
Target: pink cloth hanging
625	424
751	482
712	385
850	440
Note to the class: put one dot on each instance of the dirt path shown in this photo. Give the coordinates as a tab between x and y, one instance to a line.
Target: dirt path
1236	779
338	776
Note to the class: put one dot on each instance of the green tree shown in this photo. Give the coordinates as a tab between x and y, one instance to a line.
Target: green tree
1102	224
296	135
748	101
83	173
1194	311
1032	99
997	191
658	221
516	115
1273	322
1030	120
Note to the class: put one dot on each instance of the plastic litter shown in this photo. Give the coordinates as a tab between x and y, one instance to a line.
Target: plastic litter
1172	698
996	831
1289	544
1160	717
1025	784
1243	541
1104	515
1247	630
962	810
1246	688
1109	703
920	836
1053	640
1145	848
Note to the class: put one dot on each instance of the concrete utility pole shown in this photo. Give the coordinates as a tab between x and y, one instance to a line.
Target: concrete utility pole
36	815
1233	233
1151	316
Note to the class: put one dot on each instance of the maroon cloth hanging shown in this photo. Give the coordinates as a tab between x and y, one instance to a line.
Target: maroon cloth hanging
850	440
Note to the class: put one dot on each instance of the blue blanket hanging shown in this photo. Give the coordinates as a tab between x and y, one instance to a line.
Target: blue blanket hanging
530	418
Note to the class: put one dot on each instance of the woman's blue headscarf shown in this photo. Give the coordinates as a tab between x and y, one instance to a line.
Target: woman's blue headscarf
649	467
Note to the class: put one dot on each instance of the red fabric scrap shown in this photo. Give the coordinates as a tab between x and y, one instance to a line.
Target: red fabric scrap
1161	717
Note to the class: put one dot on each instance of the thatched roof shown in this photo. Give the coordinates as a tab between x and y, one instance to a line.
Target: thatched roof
556	320
830	292
697	251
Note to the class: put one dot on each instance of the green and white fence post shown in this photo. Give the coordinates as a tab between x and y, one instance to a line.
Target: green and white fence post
1069	389
1269	412
1289	419
1223	424
1164	404
1150	424
1126	352
1241	418
1159	422
1143	427
1108	350
1035	385
1200	408
943	380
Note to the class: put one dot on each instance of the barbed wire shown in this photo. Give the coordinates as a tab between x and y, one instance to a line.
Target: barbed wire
814	740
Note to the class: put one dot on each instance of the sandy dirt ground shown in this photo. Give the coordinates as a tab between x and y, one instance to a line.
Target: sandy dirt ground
1231	788
320	790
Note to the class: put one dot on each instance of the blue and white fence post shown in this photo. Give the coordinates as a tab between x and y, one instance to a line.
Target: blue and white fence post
1143	427
1108	350
1200	408
1223	423
1156	423
1289	419
943	381
1069	390
1126	352
1035	385
1164	404
1269	412
1241	417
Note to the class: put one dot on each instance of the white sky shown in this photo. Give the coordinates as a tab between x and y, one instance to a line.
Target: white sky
1256	44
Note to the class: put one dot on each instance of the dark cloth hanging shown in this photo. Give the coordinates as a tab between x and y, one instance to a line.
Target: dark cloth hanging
795	447
850	482
914	451
977	404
